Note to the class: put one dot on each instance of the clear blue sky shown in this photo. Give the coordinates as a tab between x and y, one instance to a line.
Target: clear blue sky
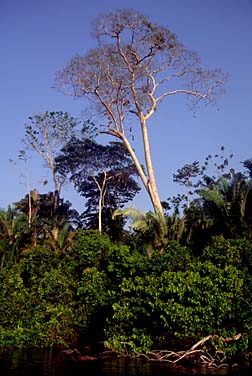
38	37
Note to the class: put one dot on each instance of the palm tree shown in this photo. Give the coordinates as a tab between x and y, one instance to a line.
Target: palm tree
227	205
60	241
152	227
14	235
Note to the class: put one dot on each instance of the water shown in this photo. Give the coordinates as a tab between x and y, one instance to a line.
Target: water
49	363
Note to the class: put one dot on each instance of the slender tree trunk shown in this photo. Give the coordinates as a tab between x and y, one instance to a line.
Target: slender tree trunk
152	186
100	213
102	191
29	195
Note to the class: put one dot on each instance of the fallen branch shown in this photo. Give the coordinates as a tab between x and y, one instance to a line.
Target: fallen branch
217	360
205	339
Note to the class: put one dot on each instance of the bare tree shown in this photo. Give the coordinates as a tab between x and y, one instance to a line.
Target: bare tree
136	65
46	134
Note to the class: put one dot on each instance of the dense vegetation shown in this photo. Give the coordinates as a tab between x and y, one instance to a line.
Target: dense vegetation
64	285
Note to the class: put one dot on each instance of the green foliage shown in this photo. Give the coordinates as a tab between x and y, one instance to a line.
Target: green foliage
37	302
223	252
186	302
89	249
97	291
174	258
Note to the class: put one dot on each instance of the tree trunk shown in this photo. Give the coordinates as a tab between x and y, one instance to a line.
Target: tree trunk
152	186
102	189
149	184
100	213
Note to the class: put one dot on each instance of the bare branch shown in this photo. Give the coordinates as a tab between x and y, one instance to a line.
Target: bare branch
135	66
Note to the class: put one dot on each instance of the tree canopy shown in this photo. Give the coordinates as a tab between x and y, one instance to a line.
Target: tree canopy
135	66
46	133
103	174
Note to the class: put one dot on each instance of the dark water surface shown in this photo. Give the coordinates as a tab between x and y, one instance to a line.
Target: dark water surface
49	363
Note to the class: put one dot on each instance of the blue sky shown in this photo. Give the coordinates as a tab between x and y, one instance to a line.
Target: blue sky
37	38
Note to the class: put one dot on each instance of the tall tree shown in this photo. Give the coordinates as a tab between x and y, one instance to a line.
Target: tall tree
103	174
136	65
46	134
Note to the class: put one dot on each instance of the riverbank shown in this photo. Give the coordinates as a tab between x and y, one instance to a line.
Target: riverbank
198	358
45	362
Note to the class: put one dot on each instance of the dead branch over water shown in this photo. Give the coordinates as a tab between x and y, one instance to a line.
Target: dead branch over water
196	354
